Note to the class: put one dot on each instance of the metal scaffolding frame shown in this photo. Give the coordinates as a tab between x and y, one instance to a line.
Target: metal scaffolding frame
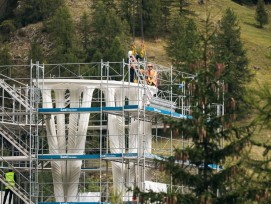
23	127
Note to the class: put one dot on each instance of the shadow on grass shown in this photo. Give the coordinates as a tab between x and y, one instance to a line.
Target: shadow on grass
253	25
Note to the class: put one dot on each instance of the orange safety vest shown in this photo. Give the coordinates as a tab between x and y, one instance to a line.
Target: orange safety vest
151	77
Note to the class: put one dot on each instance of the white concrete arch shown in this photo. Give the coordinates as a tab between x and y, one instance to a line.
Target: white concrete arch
80	93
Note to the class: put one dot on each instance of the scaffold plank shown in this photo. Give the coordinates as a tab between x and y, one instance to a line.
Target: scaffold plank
167	113
67	156
88	109
85	156
68	110
120	155
130	107
153	156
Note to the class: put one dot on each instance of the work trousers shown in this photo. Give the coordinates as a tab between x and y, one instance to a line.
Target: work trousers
8	191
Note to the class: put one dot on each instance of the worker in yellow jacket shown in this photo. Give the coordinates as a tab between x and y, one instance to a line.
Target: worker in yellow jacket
10	179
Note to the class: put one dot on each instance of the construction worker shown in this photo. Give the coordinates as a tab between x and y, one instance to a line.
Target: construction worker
10	179
151	76
132	65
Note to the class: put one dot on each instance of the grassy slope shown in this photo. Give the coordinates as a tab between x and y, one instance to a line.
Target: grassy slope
257	41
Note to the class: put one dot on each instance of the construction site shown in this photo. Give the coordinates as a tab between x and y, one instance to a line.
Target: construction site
85	133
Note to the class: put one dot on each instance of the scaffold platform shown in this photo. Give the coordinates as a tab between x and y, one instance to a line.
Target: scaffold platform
87	156
149	110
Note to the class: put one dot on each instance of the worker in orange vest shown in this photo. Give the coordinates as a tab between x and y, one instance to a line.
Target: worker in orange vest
151	76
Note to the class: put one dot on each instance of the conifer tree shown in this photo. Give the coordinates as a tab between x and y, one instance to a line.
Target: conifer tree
62	31
107	3
152	18
260	101
130	11
35	52
6	28
166	13
115	51
261	14
97	56
183	44
220	146
182	7
230	60
85	29
31	11
106	27
5	57
172	7
7	9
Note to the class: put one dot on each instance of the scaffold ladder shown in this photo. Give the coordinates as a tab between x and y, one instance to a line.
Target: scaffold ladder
14	142
15	94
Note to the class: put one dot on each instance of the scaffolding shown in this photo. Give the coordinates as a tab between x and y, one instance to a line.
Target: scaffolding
85	133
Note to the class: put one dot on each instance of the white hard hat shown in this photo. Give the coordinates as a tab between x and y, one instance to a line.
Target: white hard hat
130	53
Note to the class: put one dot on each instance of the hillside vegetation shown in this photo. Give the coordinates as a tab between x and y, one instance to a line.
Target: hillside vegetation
257	41
224	123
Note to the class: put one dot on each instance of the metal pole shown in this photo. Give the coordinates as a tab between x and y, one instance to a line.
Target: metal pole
171	128
101	130
30	130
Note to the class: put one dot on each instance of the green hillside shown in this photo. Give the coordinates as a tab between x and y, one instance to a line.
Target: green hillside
257	41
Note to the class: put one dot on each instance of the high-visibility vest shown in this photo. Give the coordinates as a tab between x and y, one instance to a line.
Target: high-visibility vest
151	76
10	179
